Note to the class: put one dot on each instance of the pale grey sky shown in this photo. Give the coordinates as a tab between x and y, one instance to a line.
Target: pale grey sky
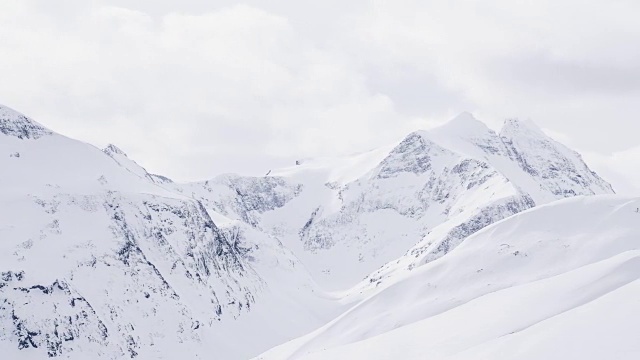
191	89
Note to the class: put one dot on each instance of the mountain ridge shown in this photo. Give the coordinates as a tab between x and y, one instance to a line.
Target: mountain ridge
268	257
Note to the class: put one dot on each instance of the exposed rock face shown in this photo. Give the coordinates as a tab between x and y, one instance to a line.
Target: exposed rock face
558	169
13	123
138	263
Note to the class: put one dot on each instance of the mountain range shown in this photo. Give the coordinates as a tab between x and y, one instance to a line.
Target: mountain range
458	242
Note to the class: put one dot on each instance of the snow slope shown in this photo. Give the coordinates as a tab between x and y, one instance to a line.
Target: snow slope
559	281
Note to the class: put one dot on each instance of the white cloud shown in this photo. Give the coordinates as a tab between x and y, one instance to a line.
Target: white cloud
565	64
192	95
191	89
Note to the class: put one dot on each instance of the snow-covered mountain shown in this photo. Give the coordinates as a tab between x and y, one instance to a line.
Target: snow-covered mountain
358	215
98	256
493	177
560	281
99	260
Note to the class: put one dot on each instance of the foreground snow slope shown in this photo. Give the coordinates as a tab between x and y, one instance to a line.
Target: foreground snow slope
559	281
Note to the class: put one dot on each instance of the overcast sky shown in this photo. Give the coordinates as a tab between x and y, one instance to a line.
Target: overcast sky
191	89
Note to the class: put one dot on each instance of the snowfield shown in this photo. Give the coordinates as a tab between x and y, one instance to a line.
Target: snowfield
555	282
457	242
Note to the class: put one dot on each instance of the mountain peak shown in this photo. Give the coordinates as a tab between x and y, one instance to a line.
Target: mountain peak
13	123
517	126
466	135
112	149
464	124
465	118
